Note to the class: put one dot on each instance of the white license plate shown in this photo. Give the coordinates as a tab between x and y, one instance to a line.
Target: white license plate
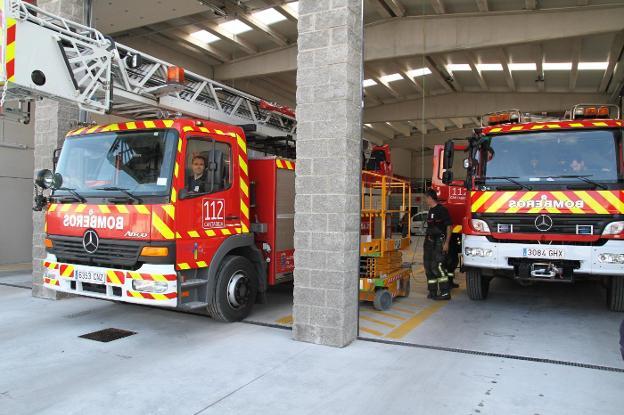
93	277
548	253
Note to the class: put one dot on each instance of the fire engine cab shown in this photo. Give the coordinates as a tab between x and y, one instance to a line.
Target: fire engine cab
544	199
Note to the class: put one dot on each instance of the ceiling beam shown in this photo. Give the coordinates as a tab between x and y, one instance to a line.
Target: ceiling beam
577	45
395	6
470	58
458	122
400	128
206	48
482	5
441	75
438	123
452	33
540	80
256	24
380	8
474	104
614	55
421	126
384	130
229	37
438	6
503	56
369	74
287	12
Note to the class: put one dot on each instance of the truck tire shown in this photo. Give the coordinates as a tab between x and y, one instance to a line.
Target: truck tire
383	300
615	294
477	285
236	290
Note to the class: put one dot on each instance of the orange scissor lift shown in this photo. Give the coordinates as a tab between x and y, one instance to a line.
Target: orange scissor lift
383	275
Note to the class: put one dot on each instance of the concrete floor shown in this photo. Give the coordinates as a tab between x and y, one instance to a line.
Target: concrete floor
185	364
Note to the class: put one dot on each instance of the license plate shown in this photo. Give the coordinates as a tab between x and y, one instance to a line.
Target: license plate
549	253
93	277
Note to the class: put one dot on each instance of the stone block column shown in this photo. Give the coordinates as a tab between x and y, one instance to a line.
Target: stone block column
52	120
327	204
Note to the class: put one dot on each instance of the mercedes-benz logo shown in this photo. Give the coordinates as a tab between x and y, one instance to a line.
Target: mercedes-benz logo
90	241
543	223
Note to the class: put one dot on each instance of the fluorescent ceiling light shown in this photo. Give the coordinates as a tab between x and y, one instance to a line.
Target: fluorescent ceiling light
235	27
294	6
390	78
589	66
368	82
557	66
204	36
269	16
489	67
418	72
457	67
368	125
522	67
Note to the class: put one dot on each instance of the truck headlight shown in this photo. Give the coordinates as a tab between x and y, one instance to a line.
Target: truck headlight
614	228
480	252
479	225
149	286
611	258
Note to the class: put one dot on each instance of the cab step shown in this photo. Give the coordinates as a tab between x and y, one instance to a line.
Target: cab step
193	305
193	283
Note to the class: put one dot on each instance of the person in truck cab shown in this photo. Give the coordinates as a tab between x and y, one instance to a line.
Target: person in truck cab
437	242
196	181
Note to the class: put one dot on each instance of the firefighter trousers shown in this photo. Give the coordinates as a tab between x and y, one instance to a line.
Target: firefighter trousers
433	261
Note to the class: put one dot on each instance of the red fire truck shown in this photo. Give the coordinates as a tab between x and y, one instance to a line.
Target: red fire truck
166	210
544	199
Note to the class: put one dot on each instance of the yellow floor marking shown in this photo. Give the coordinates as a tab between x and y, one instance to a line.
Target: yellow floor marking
394	316
415	321
374	320
402	310
371	331
285	320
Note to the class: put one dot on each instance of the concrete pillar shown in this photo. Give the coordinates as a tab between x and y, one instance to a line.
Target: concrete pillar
52	121
327	206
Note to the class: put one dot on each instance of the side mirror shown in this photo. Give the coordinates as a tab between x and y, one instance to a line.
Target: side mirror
447	177
466	164
48	180
56	154
449	149
183	194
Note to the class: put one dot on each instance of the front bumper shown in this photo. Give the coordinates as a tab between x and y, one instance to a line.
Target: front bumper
502	252
118	285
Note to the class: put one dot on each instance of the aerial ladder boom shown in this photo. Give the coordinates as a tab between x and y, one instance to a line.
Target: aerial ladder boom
44	55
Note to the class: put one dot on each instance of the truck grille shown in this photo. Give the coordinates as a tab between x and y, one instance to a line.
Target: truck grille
562	224
120	254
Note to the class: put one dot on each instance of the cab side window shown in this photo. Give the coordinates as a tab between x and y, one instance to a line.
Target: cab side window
208	166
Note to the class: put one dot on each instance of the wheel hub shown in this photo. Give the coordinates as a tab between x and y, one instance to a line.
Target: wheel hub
238	290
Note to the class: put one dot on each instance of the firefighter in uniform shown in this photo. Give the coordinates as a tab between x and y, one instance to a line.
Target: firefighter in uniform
435	247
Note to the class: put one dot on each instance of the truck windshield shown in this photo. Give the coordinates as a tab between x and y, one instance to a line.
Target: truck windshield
113	164
547	157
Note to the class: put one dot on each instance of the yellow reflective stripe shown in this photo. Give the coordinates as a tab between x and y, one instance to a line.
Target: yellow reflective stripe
241	143
135	294
184	265
527	196
80	208
176	169
210	232
554	126
563	198
187	129
201	264
538	127
242	164
496	130
52	207
65	207
142	209
170	210
135	275
104	208
238	230
122	209
113	127
457	228
244	187
600	124
158	277
289	165
576	124
168	123
226	232
179	146
279	163
500	202
516	128
193	234
481	200
162	227
244	228
92	129
131	125
597	207
204	130
113	277
178	236
68	271
149	124
159	297
174	195
611	198
219	132
244	209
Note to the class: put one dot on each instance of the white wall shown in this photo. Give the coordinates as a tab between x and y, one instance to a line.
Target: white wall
16	192
401	161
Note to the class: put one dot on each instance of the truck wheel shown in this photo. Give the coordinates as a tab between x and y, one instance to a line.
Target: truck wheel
236	289
615	294
383	300
477	285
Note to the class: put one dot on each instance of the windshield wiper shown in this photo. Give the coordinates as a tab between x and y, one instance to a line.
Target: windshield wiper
122	190
509	179
576	176
74	193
